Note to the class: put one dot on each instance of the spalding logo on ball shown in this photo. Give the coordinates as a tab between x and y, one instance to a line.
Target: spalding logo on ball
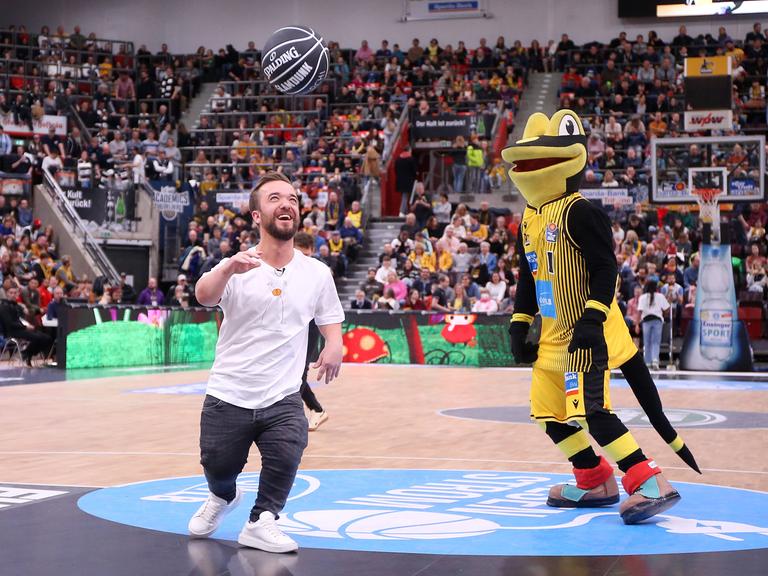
295	60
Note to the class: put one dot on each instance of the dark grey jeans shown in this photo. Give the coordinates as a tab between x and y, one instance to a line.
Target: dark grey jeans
226	435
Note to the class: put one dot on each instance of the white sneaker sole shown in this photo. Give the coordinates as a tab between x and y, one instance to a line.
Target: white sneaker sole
232	505
251	542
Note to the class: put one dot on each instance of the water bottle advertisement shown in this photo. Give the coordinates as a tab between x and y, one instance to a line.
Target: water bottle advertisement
716	339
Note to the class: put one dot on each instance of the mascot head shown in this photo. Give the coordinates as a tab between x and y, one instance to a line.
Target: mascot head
549	160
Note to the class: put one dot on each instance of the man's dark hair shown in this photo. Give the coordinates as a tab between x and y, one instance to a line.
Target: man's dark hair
304	240
253	202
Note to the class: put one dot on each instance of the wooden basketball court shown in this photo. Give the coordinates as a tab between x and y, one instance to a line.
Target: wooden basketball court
140	427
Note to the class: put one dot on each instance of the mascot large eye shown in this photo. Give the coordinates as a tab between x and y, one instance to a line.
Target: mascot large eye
568	126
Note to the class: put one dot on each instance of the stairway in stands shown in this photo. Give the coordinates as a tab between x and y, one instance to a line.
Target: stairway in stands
378	233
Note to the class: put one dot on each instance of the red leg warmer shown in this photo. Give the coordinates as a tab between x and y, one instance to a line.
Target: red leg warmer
638	474
588	478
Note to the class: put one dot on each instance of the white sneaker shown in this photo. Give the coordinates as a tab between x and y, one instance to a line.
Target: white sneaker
208	517
264	534
317	418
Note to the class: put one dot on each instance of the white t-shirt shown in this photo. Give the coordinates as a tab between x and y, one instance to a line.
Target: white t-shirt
262	347
658	307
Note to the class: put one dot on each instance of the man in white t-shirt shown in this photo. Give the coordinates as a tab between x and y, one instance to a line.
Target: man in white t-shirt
269	294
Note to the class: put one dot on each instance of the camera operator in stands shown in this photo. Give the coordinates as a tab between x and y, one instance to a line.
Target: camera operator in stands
14	325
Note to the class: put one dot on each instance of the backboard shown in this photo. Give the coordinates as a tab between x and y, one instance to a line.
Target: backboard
733	164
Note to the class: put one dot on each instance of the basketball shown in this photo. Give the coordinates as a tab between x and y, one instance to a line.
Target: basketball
295	60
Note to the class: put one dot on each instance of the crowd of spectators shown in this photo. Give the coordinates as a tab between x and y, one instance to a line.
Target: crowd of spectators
34	277
629	90
447	260
452	259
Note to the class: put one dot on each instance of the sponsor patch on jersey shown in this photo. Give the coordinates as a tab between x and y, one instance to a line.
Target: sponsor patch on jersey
550	234
571	383
546	298
533	262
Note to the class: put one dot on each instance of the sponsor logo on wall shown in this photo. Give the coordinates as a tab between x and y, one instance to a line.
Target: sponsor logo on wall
698	120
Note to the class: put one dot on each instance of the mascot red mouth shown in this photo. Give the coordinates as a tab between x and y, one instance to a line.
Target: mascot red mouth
537	164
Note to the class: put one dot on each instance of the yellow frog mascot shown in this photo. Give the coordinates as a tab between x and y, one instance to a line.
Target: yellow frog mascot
568	276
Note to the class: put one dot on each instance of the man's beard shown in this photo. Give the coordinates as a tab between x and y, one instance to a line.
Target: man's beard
271	228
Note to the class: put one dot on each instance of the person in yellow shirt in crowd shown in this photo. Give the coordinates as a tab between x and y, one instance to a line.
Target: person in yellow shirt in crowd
444	261
421	258
64	274
356	215
477	232
657	126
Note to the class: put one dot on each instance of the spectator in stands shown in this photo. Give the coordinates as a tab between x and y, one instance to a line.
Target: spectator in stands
360	301
496	287
364	54
53	308
52	162
183	284
414	301
470	288
371	286
151	295
485	303
388	301
396	286
405	177
179	297
387	267
754	258
15	325
757	281
691	274
421	205
334	210
459	156
674	294
652	306
127	292
442	294
5	143
487	258
562	51
163	167
24	213
65	275
508	304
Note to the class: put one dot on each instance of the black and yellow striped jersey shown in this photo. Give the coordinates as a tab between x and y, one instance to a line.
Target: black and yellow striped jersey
569	264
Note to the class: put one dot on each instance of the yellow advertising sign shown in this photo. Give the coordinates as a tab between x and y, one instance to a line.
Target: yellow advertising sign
708	66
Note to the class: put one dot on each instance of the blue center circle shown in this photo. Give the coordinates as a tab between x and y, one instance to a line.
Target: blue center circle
455	512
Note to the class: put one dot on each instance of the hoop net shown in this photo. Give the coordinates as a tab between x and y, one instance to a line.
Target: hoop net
707	200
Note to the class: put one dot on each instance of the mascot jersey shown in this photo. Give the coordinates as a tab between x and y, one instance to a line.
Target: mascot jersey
569	263
556	254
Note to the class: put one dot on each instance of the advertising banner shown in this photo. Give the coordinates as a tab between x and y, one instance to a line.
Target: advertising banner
119	336
716	339
439	9
105	206
169	200
445	127
609	196
707	66
39	126
136	336
698	120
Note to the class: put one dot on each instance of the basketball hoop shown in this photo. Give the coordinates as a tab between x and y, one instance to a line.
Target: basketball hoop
707	200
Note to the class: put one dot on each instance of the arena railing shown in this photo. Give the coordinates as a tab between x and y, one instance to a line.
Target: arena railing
196	170
92	248
103	46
